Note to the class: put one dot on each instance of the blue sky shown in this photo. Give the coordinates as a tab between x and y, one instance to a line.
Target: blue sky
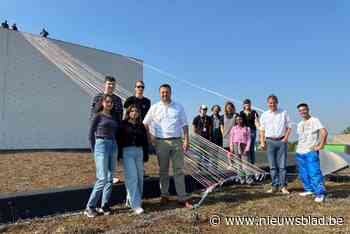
299	50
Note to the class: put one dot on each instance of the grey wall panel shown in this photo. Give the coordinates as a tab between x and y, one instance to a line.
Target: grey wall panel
44	109
119	66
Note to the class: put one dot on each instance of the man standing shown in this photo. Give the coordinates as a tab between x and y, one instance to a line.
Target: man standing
202	123
275	130
165	121
312	137
251	119
139	100
117	110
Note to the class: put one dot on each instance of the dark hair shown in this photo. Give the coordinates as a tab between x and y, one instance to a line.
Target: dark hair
272	96
247	101
128	110
139	81
229	104
240	116
212	108
165	86
302	105
109	78
103	98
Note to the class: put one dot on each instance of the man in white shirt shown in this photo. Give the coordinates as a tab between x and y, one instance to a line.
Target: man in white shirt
275	128
165	122
312	137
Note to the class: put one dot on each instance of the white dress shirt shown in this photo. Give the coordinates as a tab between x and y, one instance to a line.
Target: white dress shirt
166	120
275	123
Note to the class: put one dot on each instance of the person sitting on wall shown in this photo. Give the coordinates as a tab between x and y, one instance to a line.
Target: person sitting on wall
14	27
5	25
44	33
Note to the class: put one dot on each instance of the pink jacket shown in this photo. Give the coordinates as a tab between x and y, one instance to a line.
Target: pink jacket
240	135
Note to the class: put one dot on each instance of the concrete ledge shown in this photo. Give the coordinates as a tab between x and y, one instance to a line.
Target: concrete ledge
16	206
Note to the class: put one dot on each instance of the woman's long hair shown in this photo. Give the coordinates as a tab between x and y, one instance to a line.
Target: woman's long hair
127	113
104	98
229	104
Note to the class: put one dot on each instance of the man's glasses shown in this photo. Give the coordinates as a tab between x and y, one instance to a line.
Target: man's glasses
140	87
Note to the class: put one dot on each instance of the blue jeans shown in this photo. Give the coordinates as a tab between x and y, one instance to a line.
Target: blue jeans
105	154
133	173
277	156
251	153
310	173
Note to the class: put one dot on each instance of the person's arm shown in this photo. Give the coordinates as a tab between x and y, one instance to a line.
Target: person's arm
262	144
92	131
194	124
145	143
256	122
323	139
147	122
288	128
93	108
222	125
232	133
186	138
210	130
247	148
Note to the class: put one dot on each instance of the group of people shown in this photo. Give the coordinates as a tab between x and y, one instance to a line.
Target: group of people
5	25
164	126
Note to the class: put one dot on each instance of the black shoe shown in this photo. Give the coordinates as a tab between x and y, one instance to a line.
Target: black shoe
90	212
104	210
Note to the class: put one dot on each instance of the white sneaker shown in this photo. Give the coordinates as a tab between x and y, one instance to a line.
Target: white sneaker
138	211
304	194
320	198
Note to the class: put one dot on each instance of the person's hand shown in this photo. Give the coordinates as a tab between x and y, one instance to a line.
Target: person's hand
285	139
152	140
185	145
316	148
262	146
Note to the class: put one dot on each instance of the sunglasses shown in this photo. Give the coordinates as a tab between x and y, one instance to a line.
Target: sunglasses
140	87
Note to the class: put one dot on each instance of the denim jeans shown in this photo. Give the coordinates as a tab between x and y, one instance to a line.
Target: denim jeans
277	156
105	154
133	173
310	173
251	153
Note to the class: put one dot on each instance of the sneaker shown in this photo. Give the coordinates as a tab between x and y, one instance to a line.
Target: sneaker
91	213
164	200
306	193
272	190
285	191
104	210
186	204
138	210
320	198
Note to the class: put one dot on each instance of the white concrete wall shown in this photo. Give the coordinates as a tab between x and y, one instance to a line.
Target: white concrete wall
41	108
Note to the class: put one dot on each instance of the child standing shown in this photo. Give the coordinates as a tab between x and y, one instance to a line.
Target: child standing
240	140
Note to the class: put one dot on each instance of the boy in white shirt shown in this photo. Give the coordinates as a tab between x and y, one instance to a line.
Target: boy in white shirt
312	137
